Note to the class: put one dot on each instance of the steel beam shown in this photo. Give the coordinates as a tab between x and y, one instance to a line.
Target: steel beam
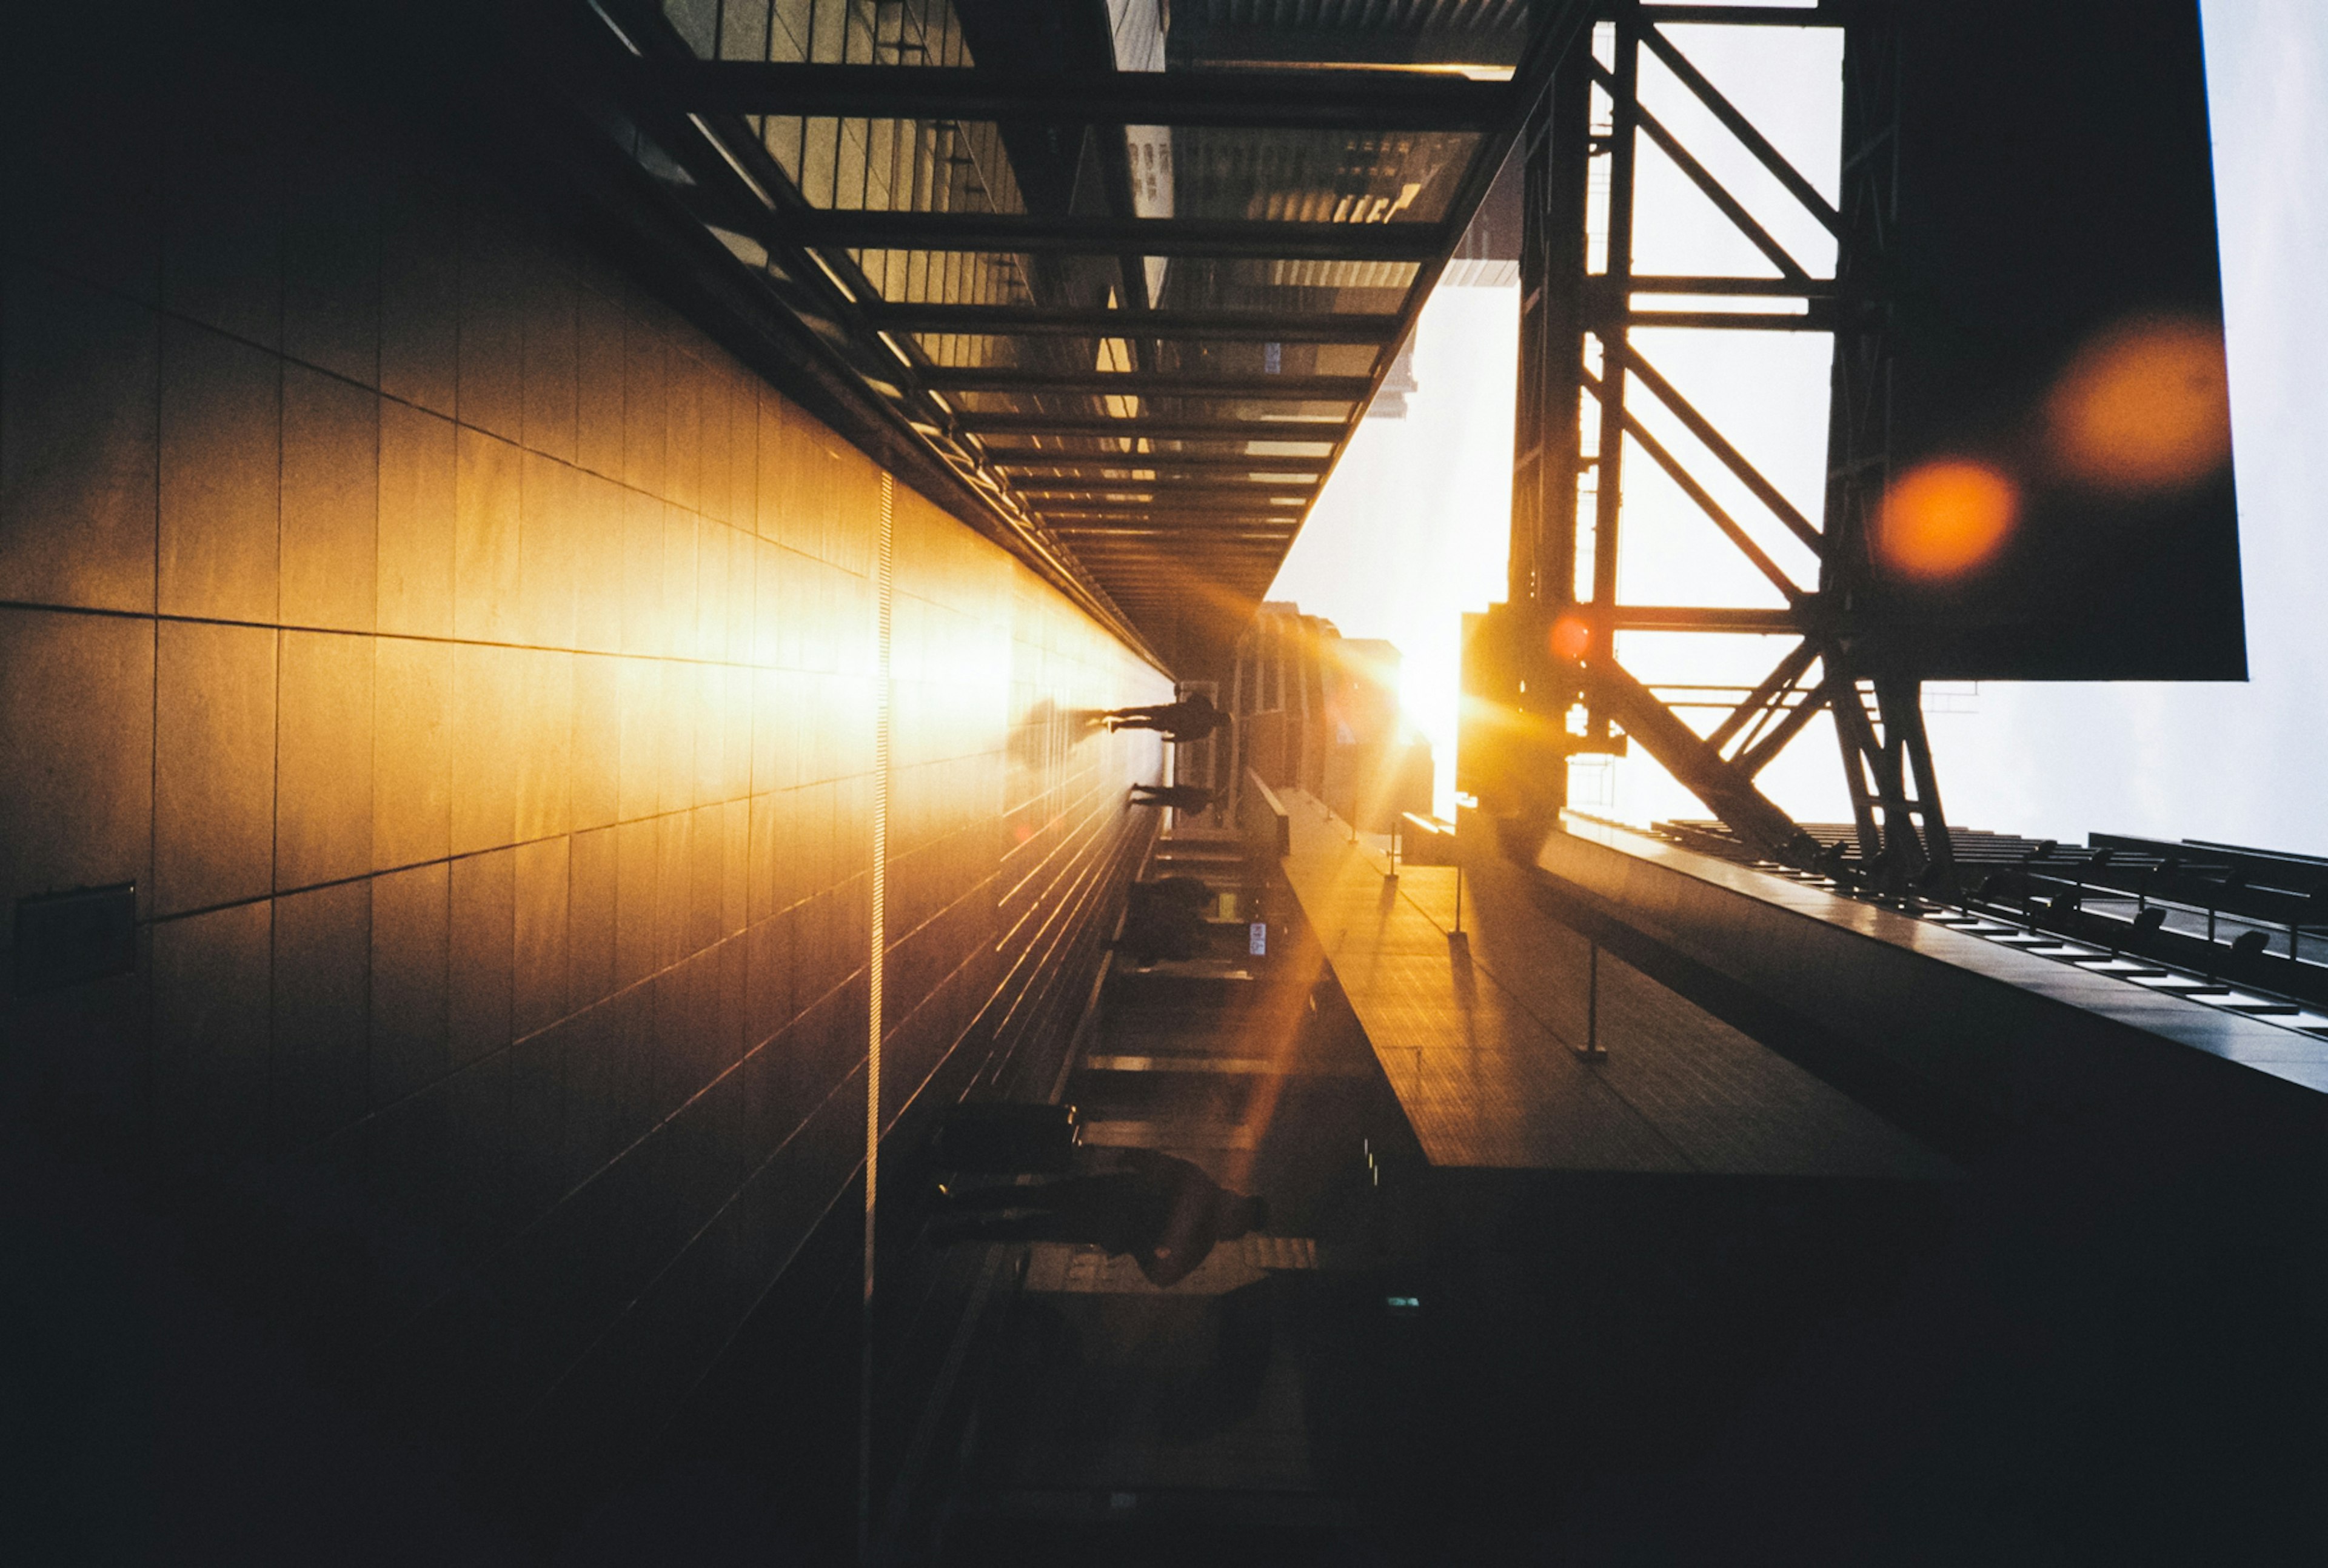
1739	125
1609	445
1168	467
1154	490
1699	425
1017	233
1734	320
1198	484
1752	287
1567	487
1752	758
1698	618
1714	509
1197	522
1703	770
1384	101
1153	384
1320	431
1177	545
1698	175
1241	326
1773	689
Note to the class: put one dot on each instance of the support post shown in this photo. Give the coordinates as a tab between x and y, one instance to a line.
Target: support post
1590	1051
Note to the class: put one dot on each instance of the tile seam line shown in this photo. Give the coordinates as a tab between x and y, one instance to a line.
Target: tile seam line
179	618
400	869
623	1313
163	312
1640	1115
501	1248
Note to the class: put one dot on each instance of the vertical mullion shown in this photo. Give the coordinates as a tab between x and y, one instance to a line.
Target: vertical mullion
1615	300
876	964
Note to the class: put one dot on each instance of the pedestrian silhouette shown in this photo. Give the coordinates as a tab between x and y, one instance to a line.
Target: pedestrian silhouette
1192	717
1162	1211
1179	797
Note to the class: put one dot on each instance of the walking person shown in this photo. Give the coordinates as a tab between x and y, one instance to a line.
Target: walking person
1192	717
1179	797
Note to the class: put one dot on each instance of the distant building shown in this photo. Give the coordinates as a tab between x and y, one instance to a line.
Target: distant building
1317	711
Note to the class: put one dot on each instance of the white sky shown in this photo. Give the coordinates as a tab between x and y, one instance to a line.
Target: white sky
1411	531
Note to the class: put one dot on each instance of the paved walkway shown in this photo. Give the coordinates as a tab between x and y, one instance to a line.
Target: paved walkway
1479	1038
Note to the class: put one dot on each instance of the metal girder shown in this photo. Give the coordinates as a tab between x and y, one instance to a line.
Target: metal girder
1733	321
1182	543
1153	384
1242	326
1902	832
673	189
1216	482
1759	749
1701	283
1138	491
1887	763
1158	572
1144	530
1679	472
1704	771
1198	522
1390	100
1698	618
692	127
1194	526
1696	173
1739	125
1177	428
1566	483
1212	484
1016	232
1167	468
1781	681
1699	425
1196	530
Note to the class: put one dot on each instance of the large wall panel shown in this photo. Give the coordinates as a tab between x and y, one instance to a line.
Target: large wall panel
472	667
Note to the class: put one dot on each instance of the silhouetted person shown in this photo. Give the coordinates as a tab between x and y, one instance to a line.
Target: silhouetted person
1179	797
1163	1211
1192	717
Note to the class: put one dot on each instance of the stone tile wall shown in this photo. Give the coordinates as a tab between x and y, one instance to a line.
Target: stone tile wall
471	666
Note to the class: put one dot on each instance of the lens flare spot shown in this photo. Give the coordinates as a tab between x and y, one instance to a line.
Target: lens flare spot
1943	519
1569	638
2147	407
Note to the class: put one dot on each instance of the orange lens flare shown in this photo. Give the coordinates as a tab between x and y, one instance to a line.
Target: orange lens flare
1943	519
1569	638
2145	407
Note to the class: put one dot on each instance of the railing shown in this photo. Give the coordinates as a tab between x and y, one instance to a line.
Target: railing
1268	827
2214	915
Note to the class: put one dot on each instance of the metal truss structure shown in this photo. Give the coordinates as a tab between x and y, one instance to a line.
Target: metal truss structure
1143	384
1584	385
950	209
